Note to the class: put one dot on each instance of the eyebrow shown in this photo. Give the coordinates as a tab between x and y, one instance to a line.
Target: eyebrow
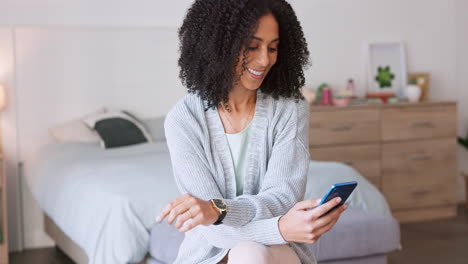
260	39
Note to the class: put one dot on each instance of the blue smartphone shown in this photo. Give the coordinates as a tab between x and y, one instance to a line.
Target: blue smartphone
342	190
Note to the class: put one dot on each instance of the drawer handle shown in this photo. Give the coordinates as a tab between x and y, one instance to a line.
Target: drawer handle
421	192
341	127
420	157
423	124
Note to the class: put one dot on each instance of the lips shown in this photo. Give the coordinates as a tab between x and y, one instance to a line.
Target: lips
255	73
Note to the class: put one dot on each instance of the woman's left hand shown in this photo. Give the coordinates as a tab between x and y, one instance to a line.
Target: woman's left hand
189	207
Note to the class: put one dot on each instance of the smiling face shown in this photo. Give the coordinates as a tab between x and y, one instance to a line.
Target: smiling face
262	53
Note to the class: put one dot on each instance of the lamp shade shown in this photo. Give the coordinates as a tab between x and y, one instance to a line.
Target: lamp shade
2	97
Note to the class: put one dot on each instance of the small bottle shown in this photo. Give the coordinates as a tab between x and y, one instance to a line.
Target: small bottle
326	96
350	88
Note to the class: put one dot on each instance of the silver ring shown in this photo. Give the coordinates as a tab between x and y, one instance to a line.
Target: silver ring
188	211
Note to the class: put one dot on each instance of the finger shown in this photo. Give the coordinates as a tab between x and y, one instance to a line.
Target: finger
182	219
326	228
320	210
178	210
317	202
307	204
167	209
191	224
336	216
326	220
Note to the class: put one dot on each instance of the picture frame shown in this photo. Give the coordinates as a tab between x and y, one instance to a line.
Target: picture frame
422	79
386	69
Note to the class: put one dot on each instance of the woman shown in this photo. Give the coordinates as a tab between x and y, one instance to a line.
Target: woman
239	140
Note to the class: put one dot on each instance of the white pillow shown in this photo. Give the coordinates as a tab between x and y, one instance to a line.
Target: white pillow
75	131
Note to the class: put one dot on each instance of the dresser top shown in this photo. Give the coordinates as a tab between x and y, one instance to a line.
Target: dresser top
382	106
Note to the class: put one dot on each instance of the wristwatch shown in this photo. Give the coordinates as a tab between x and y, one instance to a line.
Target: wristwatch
221	207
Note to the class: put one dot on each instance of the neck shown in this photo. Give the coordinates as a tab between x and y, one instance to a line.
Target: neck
242	100
239	110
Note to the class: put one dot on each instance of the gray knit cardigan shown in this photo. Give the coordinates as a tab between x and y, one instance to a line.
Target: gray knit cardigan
277	165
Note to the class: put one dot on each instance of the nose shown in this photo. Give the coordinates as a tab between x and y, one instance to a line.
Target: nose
263	58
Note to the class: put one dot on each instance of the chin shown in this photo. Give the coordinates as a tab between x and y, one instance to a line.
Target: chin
250	83
252	86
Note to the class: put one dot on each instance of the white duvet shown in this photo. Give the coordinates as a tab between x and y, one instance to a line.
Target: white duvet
106	200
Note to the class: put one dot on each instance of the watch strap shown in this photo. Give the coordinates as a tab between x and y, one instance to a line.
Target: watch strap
220	218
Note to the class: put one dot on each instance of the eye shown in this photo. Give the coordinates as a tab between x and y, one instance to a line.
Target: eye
273	49
252	48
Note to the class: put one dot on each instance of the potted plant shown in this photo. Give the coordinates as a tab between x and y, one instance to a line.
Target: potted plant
413	91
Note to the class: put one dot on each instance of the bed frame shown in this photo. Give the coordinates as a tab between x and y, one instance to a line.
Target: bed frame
75	252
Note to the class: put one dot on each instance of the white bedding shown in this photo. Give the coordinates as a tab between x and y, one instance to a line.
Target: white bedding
106	200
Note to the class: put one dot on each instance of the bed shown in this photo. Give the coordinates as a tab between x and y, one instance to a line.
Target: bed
100	205
105	201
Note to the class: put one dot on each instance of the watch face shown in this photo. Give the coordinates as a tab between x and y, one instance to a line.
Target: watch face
220	204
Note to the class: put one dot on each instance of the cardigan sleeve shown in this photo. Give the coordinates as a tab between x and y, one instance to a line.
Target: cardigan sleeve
283	184
265	232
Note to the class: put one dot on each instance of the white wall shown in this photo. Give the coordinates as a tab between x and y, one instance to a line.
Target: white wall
139	13
335	29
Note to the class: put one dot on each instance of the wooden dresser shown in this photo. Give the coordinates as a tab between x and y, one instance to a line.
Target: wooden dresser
406	150
3	217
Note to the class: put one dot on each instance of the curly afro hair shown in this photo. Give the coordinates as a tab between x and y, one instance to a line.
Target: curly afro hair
211	39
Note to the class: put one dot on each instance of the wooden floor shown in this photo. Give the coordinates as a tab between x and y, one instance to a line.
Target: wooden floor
443	241
435	242
40	256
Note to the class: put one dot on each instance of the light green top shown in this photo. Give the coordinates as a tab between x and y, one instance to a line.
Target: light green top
238	145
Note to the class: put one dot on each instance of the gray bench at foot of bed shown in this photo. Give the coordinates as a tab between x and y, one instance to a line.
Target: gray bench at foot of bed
357	238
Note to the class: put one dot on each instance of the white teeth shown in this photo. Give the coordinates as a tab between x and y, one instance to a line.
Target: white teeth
259	73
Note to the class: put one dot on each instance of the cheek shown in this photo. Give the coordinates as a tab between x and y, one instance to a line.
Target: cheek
273	58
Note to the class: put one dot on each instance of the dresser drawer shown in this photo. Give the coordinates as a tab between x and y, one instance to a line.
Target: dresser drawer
337	127
364	158
419	122
420	173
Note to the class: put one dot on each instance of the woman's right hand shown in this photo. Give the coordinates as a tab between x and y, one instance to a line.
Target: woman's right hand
306	226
